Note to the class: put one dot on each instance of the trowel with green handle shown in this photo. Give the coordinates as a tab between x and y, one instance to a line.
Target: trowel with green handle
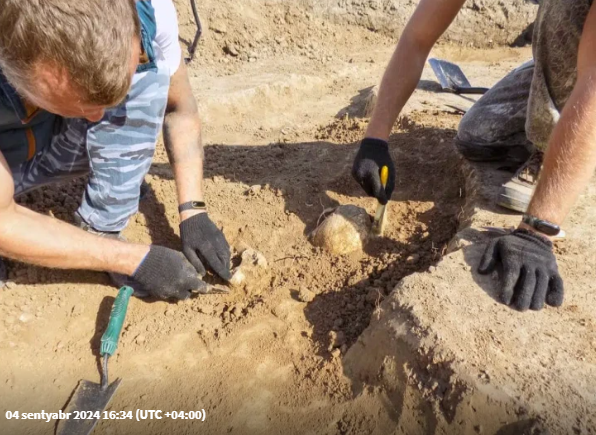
90	397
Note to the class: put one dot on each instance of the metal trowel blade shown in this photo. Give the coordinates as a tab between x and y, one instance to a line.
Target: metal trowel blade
214	290
449	74
88	396
378	226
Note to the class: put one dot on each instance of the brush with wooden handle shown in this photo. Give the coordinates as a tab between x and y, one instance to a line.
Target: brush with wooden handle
378	226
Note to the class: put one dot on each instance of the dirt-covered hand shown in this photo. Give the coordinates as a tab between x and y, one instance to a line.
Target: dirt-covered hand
203	242
167	274
527	267
372	156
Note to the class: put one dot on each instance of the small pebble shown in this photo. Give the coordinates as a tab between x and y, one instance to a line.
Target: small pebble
253	190
78	309
305	295
25	317
374	296
336	339
413	259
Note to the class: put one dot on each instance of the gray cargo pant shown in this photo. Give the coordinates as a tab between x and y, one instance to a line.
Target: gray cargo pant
522	109
116	152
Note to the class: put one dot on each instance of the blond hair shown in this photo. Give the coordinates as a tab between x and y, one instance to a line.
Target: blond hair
90	40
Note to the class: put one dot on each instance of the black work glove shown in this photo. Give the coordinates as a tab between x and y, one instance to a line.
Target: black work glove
372	156
527	270
203	242
165	274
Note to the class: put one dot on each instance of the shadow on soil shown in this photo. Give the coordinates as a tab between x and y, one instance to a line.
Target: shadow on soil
101	324
304	174
309	176
361	104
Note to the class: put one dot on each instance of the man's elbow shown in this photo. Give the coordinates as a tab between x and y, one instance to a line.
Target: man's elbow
8	222
418	44
187	115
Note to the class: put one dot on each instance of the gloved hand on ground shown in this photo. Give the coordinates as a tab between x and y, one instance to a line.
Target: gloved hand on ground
203	242
165	273
527	267
372	156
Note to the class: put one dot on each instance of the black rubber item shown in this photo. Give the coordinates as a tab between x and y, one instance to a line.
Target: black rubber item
192	205
527	267
542	226
470	91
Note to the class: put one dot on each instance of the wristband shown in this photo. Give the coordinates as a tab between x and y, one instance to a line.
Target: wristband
541	225
192	205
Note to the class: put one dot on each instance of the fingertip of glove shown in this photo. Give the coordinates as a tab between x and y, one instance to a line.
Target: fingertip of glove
521	309
486	266
195	262
483	270
556	293
554	299
225	274
521	303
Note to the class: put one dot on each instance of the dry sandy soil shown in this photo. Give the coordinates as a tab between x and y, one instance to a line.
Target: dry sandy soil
280	86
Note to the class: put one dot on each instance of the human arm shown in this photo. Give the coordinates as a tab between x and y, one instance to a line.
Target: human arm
527	266
202	241
183	142
37	239
427	24
34	238
570	159
429	21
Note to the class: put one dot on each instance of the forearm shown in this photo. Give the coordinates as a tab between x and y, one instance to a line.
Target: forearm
33	238
570	160
424	28
398	84
182	137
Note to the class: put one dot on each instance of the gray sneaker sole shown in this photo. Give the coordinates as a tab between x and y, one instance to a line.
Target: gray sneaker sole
513	200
